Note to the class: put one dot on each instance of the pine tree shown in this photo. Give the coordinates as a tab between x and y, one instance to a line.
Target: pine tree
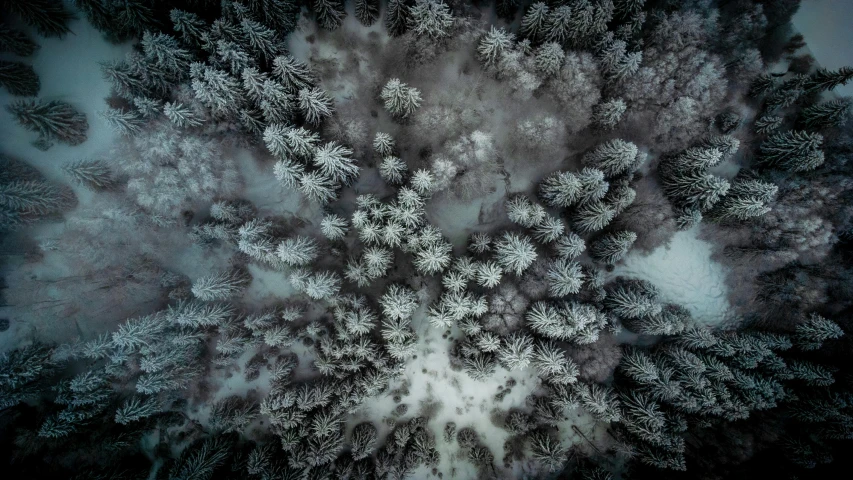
363	440
593	186
218	91
21	201
383	145
606	115
163	52
694	189
811	334
494	44
613	157
51	120
16	42
395	17
19	79
560	190
317	187
516	351
747	198
93	174
135	409
398	302
767	124
548	230
824	79
826	115
322	285
181	115
559	25
367	11
522	211
634	299
392	170
549	58
612	247
400	99
48	17
123	122
727	145
334	227
330	13
294	75
423	182
564	278
548	451
288	142
189	25
515	253
334	162
489	274
315	105
297	251
431	18
795	151
569	246
433	257
534	23
592	217
220	286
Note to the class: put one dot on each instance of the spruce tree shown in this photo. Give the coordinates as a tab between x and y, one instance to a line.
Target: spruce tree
294	75
534	23
220	286
515	253
606	115
48	17
811	334
493	45
795	151
16	42
549	58
613	157
559	25
400	99
392	170
560	189
396	20
367	11
826	115
431	18
317	187
334	162
189	25
767	124
592	217
315	105
824	79
52	120
564	277
181	115
693	189
330	13
93	174
611	247
19	79
123	122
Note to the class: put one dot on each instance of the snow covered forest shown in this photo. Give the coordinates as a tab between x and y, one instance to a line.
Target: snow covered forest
416	239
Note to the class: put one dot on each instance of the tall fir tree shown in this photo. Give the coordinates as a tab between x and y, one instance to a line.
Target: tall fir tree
796	151
52	120
19	79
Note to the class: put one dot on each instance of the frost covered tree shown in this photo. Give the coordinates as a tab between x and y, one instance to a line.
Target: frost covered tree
694	189
181	115
94	174
383	144
431	18
396	17
746	198
49	18
392	170
217	90
560	189
52	120
569	246
824	79
220	286
592	217
613	157
564	278
433	257
123	122
535	22
367	11
289	142
493	45
398	302
612	247
423	182
515	253
330	13
826	115
363	440
516	351
811	334
334	227
633	299
522	211
294	75
549	58
288	173
135	409
334	162
548	451
559	25
317	187
400	99
607	114
548	230
189	25
19	79
315	105
489	274
297	251
796	151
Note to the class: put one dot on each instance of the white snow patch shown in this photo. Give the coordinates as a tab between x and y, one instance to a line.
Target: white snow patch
685	274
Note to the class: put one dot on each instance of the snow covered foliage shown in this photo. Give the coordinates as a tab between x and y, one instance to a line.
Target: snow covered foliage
400	99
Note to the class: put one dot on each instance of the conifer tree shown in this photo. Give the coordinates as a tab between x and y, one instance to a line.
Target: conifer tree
294	75
392	170
592	217
569	246
135	409
16	42
515	253
694	189
613	157
334	162
189	25
494	44
261	40
548	451
289	142
824	79
123	122
383	144
330	13
51	120
297	251
606	115
611	247
489	274
796	151
534	23
431	18
220	286
396	15
333	227
593	186
400	99
181	115
367	11
560	189
94	174
423	182
315	105
19	79
768	124
633	299
548	230
826	115
48	17
522	211
559	25
549	58
564	277
811	334
317	187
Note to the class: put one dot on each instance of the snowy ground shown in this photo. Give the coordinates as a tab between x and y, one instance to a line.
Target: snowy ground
825	25
685	274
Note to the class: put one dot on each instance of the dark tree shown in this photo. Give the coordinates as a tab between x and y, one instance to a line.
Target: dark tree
19	78
52	120
16	42
48	17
